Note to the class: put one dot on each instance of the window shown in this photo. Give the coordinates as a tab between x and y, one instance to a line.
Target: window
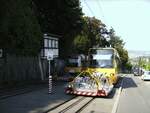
50	44
45	43
56	43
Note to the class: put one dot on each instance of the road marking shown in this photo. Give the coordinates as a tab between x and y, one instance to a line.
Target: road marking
114	110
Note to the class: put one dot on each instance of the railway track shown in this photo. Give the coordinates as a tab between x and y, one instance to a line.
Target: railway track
75	105
6	93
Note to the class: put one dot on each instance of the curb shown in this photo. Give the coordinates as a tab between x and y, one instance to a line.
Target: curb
114	110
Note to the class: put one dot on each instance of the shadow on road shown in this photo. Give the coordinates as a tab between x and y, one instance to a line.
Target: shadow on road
112	94
129	83
35	102
119	83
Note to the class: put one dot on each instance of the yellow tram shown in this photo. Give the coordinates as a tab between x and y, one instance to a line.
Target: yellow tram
105	60
100	76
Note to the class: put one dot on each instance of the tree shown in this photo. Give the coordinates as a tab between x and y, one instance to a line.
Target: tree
19	28
91	35
61	17
117	43
123	55
128	66
91	28
81	44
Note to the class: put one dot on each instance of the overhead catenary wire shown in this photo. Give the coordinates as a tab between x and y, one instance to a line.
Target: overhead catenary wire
101	9
102	13
98	2
89	7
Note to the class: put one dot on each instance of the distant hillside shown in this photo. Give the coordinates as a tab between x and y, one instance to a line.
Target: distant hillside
134	54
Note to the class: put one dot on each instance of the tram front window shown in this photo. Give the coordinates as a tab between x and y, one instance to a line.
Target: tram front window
101	63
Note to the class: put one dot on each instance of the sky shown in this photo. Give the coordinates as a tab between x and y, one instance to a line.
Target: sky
129	18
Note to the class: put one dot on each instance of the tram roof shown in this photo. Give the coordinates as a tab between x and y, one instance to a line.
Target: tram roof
106	48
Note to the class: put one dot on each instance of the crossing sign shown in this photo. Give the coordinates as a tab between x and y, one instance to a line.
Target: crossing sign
49	56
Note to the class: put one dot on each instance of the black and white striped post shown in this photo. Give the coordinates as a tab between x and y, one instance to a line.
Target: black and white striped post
49	58
50	84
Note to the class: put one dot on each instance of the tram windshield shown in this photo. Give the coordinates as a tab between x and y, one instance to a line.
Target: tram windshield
101	59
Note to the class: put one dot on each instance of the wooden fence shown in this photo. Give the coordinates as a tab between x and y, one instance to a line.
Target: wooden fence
14	69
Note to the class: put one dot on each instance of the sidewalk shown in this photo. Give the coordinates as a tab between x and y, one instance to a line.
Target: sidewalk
37	101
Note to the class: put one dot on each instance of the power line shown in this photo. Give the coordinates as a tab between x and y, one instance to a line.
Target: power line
89	8
101	9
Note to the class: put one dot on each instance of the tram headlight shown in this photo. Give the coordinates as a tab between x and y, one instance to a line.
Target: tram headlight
68	86
112	74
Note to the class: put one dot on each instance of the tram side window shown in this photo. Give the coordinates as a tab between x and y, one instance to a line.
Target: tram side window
72	62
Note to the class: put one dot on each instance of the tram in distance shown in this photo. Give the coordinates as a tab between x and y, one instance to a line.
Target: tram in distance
74	65
99	78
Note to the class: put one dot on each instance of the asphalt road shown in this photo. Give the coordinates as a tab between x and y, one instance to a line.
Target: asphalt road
102	105
40	101
37	101
135	96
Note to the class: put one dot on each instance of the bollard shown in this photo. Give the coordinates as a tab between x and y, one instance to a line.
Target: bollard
50	85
